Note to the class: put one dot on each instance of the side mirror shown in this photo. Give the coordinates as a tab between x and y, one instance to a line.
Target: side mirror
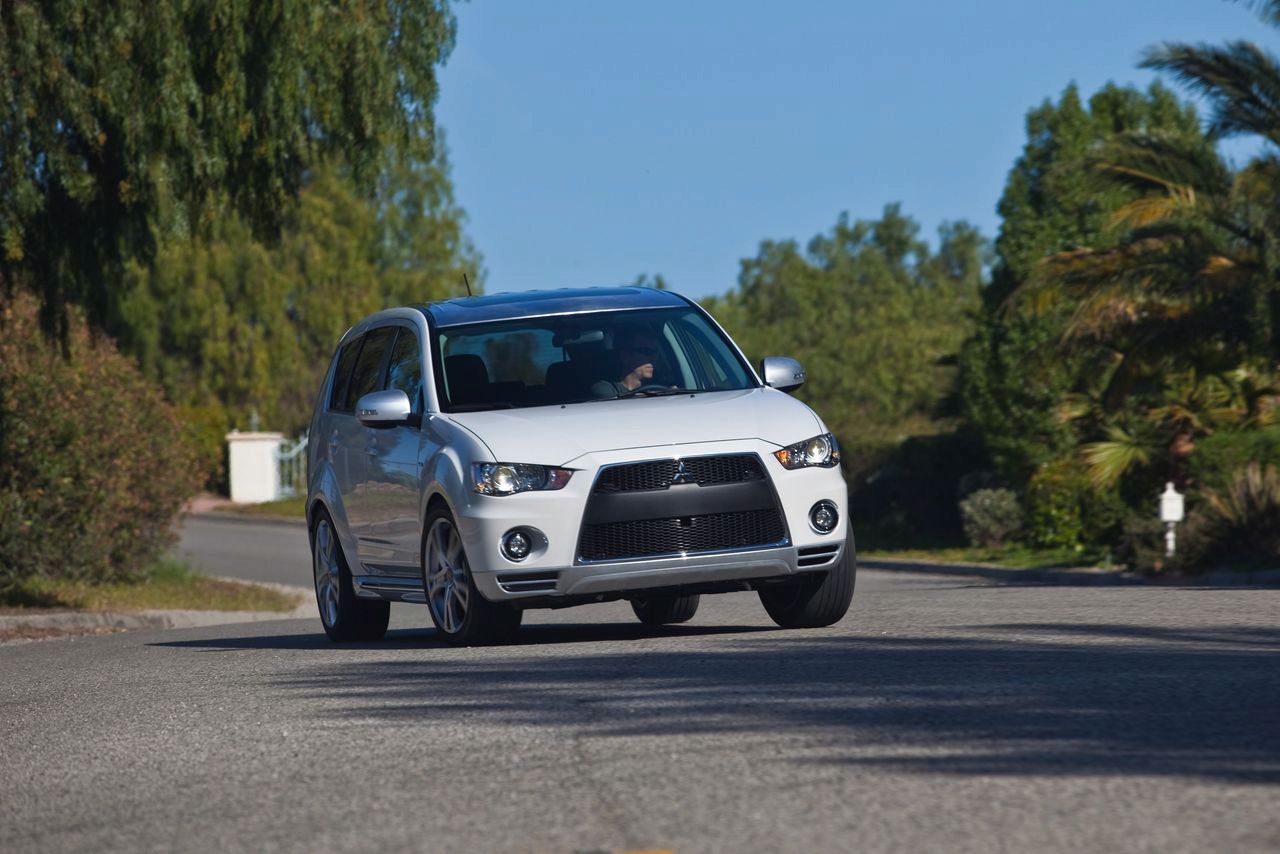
388	408
781	373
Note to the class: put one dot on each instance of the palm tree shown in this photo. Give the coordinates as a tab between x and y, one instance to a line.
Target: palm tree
1185	295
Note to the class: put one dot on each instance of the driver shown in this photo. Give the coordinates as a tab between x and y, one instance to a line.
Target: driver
636	350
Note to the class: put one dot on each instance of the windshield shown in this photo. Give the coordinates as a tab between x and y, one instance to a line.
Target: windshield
548	361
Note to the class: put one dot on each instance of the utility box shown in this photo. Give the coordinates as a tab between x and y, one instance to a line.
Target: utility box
254	471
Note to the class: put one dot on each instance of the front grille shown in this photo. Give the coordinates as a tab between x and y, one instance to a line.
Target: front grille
659	474
706	533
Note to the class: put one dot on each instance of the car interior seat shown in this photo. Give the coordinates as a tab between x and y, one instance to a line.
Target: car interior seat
468	379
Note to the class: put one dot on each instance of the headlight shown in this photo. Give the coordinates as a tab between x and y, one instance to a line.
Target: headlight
818	451
510	478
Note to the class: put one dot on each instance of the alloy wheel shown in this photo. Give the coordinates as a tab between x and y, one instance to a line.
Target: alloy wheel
448	585
327	572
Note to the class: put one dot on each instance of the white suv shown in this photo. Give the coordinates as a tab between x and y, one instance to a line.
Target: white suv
544	449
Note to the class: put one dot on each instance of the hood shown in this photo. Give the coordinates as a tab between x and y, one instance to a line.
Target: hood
552	435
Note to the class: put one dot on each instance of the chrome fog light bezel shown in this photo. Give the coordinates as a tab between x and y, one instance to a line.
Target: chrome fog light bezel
829	507
536	540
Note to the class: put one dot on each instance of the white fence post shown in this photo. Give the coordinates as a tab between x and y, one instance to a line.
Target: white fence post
254	471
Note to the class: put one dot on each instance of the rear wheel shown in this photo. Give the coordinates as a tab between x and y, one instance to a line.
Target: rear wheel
460	613
345	616
815	599
662	610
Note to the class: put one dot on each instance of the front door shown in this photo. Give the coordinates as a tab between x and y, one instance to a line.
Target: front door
354	437
394	482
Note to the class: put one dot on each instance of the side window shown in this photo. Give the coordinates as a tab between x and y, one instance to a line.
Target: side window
342	374
405	371
367	375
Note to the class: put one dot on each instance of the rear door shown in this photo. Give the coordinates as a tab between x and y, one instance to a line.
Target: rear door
342	436
393	486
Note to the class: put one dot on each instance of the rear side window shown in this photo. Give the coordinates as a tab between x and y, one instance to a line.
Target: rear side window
342	374
405	370
367	375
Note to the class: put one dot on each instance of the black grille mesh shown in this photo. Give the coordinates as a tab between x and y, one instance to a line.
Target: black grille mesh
657	474
712	532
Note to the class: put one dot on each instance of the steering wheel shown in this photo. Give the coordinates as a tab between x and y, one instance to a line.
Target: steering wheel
652	387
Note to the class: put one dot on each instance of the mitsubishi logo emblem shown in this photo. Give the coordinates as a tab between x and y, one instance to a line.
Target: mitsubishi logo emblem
680	476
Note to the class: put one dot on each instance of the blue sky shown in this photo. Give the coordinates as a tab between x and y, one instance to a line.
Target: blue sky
594	141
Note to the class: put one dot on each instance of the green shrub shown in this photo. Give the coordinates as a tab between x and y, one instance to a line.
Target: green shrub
93	466
205	430
1238	525
1216	459
991	517
904	494
1064	511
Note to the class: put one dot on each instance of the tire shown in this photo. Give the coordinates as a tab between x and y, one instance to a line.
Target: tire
345	616
663	610
461	614
816	599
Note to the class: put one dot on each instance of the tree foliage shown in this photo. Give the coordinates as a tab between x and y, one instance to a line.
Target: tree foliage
234	325
1013	376
872	313
126	122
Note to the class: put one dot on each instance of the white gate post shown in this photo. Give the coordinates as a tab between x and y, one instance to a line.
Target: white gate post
254	474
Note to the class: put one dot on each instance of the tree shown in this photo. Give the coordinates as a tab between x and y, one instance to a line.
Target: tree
124	123
1180	290
872	314
1012	375
230	325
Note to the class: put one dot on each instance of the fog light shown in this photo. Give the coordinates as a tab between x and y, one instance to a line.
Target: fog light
516	545
823	516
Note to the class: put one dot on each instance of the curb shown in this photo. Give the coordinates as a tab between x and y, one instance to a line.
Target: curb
1073	576
1069	576
243	518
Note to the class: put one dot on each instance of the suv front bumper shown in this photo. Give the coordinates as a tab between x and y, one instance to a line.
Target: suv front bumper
555	570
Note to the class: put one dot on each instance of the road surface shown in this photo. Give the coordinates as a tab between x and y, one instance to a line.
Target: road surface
940	715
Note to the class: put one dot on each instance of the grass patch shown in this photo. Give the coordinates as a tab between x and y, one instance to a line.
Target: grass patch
1009	557
291	508
167	585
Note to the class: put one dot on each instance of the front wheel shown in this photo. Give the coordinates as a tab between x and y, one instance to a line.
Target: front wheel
815	599
461	614
345	616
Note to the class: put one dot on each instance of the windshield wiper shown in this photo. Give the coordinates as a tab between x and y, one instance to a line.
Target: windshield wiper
656	392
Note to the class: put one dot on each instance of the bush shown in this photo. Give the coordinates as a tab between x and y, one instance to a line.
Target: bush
991	517
903	494
1217	458
93	467
1064	511
1238	525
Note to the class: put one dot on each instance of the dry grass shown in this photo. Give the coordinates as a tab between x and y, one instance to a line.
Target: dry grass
291	508
1008	557
169	585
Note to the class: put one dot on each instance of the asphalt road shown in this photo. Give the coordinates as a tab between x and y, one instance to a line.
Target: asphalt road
271	551
940	715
